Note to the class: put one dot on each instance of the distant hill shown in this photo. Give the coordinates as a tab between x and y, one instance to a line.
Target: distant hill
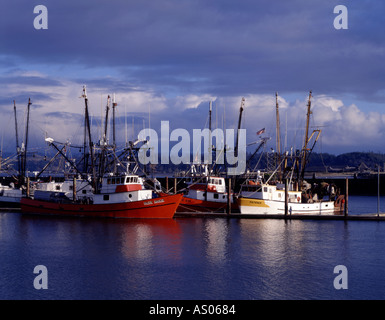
346	161
321	162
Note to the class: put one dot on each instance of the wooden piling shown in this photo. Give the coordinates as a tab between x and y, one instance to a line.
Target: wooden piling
28	190
74	189
346	196
378	191
228	209
286	198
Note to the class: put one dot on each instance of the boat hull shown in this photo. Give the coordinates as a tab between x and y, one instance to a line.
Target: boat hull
9	202
259	206
196	205
162	207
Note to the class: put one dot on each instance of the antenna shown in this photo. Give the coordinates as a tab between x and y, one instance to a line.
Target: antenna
114	105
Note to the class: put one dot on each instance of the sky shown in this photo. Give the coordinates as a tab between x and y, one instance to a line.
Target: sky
165	60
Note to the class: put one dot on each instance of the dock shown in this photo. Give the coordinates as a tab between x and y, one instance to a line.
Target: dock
353	217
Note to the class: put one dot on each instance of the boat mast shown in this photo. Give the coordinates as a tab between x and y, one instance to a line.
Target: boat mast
17	139
305	148
88	128
239	126
106	120
104	145
85	155
210	137
23	162
114	105
278	137
210	150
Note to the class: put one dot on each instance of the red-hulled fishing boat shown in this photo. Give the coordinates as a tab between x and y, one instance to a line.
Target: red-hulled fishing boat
103	191
121	196
206	194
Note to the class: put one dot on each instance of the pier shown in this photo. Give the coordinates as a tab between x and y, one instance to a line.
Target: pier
355	217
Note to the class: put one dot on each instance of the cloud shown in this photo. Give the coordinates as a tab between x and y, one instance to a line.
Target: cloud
192	101
58	112
167	59
200	47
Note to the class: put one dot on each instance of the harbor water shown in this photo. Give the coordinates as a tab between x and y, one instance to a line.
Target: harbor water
193	258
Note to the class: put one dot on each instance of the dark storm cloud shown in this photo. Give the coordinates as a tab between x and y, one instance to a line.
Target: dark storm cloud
222	47
21	100
29	80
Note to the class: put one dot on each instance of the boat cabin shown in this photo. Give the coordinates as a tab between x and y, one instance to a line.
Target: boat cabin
207	189
46	190
122	188
125	183
209	184
254	190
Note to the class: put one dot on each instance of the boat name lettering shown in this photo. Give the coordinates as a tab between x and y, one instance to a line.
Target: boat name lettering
147	203
256	202
159	201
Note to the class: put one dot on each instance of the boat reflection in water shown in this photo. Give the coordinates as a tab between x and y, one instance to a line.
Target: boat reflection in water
189	258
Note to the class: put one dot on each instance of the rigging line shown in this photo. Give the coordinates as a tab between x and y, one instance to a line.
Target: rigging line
274	172
322	159
260	157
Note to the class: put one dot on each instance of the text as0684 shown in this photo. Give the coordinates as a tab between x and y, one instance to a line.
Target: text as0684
214	309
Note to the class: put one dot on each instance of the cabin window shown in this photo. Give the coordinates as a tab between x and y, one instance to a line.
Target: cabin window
106	197
127	181
71	188
108	181
264	189
84	191
220	181
215	196
57	187
135	179
113	181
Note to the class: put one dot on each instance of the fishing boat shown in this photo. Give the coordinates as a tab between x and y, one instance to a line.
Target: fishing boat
103	190
263	198
207	191
122	196
10	196
295	196
206	194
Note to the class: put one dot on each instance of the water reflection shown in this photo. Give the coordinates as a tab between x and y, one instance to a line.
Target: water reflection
295	258
216	231
189	258
147	239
